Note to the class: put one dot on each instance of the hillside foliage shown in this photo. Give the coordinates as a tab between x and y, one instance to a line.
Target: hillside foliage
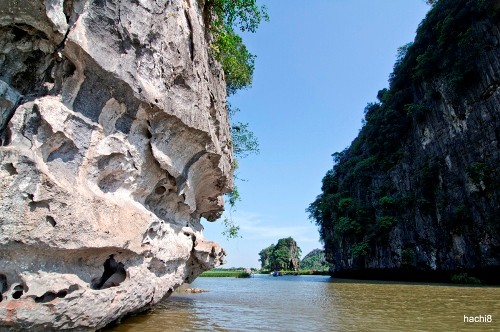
359	202
285	255
228	47
315	260
226	17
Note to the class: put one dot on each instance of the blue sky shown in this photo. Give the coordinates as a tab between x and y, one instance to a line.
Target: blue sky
319	62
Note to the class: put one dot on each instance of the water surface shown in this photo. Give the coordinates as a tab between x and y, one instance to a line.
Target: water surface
319	303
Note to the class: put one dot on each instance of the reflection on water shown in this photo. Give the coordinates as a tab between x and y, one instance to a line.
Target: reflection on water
316	303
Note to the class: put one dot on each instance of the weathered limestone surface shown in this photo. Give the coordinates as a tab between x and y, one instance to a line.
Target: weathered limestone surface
114	143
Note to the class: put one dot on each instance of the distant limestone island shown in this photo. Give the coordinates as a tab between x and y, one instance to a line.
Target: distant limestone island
285	257
280	259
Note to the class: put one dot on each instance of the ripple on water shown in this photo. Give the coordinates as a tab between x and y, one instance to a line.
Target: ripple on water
315	303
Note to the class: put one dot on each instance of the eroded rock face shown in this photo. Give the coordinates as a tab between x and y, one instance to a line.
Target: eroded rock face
114	143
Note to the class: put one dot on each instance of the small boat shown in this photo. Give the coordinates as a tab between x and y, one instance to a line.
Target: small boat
276	273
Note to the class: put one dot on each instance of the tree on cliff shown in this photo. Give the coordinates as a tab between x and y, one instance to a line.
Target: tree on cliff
265	256
285	255
228	47
237	62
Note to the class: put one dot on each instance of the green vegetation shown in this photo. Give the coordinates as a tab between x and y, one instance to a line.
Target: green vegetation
445	44
285	255
463	278
408	257
385	223
360	249
245	273
227	46
314	261
237	62
346	226
360	201
243	141
226	273
298	272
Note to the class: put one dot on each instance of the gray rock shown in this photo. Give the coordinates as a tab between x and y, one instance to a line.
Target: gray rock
114	146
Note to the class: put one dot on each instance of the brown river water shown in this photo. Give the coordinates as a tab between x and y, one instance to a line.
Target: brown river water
320	303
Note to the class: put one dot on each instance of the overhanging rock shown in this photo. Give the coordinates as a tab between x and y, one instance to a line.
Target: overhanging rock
114	143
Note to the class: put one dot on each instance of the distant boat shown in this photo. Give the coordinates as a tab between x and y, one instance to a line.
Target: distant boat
276	273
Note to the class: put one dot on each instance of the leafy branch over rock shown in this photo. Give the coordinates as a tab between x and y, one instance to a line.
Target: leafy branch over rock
238	65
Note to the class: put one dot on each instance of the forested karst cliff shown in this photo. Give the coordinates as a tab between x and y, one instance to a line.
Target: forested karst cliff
285	255
417	194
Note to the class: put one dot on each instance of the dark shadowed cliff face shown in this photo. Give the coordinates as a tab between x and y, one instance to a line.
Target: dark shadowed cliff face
417	194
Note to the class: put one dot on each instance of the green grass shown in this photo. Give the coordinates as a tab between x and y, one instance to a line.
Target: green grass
299	272
463	278
240	273
225	274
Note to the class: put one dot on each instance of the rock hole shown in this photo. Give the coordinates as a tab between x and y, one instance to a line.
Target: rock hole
5	137
28	81
68	69
114	274
50	296
18	292
51	221
18	33
47	297
160	190
180	81
9	167
3	285
38	205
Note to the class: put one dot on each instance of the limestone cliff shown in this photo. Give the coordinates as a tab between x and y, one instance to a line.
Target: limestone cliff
417	194
285	255
114	143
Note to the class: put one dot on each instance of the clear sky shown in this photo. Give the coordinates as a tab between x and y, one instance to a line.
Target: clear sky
319	62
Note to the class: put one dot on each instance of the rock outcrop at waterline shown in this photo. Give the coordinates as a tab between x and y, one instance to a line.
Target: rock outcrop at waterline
417	194
114	143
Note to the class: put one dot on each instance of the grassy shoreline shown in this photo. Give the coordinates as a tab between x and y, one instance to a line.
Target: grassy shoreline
219	273
242	273
299	272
